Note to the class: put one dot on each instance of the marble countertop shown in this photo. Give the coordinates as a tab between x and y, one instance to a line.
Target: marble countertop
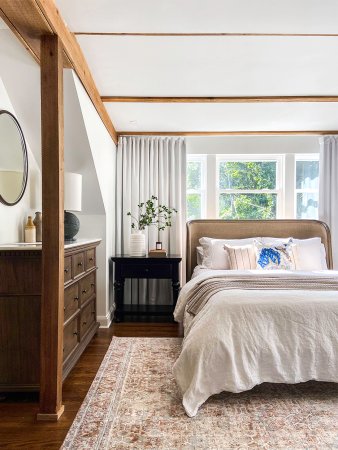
38	245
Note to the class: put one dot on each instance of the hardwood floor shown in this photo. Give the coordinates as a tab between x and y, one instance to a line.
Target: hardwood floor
18	425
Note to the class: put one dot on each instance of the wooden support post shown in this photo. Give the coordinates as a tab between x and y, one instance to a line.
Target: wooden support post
52	300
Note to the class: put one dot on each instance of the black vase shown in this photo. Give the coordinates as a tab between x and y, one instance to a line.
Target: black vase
72	226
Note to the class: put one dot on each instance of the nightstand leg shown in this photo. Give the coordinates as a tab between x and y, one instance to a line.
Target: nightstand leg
119	291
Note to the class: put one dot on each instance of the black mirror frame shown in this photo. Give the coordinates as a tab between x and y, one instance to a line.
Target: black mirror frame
25	161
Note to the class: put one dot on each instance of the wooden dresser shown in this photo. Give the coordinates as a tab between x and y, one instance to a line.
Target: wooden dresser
20	297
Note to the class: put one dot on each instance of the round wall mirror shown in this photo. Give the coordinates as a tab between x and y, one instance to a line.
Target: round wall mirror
13	160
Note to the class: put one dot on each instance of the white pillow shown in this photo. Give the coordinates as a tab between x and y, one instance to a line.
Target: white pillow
214	256
308	254
199	255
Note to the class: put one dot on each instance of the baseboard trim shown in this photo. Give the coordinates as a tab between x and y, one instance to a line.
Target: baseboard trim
105	321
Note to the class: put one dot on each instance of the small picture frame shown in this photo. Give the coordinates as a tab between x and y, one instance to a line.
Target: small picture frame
158	245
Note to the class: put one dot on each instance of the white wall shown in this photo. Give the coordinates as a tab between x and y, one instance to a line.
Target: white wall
252	144
21	76
12	218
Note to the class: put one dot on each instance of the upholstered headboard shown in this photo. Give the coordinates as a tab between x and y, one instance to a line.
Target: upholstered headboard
238	229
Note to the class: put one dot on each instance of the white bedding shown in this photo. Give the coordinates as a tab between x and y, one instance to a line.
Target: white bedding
243	338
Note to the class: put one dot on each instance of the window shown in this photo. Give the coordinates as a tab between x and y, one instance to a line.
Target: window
248	188
252	186
307	186
195	187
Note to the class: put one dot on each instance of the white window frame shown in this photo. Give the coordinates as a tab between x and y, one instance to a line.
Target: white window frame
285	188
278	159
202	159
303	157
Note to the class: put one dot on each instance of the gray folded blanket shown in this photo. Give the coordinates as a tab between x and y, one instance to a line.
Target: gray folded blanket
202	292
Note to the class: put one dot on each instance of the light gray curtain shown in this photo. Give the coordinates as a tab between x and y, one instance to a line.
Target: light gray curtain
149	166
328	189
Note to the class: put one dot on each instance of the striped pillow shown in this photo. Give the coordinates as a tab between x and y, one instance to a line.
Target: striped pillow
241	257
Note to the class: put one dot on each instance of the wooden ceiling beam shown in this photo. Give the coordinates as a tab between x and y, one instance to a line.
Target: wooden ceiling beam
262	99
228	133
26	22
30	20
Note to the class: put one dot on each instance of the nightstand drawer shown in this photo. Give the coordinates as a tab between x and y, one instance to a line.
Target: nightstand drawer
78	264
71	300
146	271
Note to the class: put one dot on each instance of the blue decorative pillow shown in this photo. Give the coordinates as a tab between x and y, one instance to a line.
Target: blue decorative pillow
272	257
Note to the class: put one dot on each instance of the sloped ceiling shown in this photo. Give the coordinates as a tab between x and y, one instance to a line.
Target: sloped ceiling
218	48
78	154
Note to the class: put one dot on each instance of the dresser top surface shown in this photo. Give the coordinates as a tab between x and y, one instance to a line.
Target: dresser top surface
38	246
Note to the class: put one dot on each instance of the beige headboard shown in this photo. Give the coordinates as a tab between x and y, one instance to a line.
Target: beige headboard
238	229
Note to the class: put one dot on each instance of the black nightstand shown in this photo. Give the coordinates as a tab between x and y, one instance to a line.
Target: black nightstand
149	268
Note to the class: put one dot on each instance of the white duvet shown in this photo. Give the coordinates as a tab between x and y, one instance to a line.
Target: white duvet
243	338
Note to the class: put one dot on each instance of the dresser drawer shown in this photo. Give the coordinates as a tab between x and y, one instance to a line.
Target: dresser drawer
146	271
78	264
71	300
90	259
68	269
70	337
87	318
87	287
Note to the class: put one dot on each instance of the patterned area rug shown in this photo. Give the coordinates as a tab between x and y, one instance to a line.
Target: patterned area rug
134	403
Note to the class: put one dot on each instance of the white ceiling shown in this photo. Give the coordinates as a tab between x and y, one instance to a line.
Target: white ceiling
224	116
211	66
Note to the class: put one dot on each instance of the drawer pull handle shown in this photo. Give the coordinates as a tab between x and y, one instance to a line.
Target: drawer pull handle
93	312
76	299
63	349
91	259
64	308
80	264
75	333
92	284
84	323
84	291
66	270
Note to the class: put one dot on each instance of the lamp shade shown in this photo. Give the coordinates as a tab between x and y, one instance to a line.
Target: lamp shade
73	192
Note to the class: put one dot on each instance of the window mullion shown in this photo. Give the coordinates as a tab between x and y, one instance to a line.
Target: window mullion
289	186
211	187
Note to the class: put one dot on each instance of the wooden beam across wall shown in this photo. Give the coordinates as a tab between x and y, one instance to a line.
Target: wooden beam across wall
52	301
31	19
258	99
228	133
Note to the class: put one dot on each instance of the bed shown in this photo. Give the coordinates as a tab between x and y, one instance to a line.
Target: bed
277	326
